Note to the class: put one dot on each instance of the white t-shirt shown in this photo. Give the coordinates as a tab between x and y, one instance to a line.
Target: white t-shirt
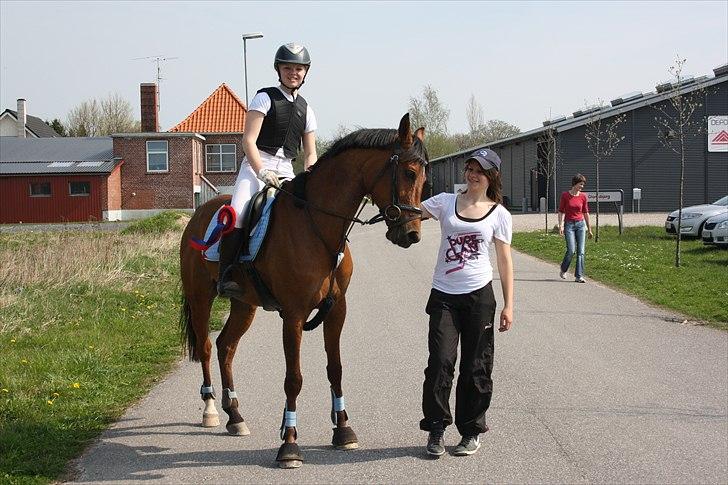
278	162
463	261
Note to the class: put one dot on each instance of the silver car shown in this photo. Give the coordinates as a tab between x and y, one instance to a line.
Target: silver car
715	231
694	217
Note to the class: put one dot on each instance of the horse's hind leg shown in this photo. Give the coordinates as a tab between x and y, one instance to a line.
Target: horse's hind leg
238	322
198	309
344	437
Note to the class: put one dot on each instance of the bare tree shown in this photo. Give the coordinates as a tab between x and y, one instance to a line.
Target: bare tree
602	138
428	111
93	118
474	115
85	119
549	159
675	123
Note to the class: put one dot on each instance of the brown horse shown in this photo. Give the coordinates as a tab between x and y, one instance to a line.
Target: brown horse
297	262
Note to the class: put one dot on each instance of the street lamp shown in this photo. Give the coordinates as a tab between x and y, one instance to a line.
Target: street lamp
252	35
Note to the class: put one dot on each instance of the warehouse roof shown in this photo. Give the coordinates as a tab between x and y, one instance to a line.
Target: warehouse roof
623	104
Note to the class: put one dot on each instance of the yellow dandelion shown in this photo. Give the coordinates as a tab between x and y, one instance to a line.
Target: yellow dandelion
12	340
24	361
90	347
123	309
149	307
75	385
55	395
49	402
5	390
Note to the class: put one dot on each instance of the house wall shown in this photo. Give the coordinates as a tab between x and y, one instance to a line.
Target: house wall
16	204
223	179
142	190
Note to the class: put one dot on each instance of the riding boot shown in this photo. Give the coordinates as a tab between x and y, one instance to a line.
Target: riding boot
229	252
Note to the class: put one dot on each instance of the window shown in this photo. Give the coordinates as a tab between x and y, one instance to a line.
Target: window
79	188
40	189
157	160
220	158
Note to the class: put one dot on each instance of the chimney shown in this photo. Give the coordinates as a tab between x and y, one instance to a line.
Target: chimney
22	118
150	107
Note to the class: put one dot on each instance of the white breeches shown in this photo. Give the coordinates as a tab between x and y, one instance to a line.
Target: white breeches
248	184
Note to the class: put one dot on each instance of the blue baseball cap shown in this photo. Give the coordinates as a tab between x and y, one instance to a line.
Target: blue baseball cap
487	158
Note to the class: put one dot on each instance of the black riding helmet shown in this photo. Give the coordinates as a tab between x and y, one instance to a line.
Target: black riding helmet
292	54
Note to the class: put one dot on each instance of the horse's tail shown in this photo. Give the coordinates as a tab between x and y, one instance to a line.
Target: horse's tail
187	332
323	310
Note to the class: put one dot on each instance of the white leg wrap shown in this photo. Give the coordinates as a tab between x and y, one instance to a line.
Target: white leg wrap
231	394
337	404
207	389
289	420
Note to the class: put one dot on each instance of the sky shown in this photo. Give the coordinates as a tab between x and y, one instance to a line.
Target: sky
523	61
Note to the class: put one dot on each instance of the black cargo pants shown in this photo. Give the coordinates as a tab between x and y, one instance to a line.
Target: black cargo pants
469	318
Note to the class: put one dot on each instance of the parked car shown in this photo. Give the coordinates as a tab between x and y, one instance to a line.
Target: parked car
715	231
694	217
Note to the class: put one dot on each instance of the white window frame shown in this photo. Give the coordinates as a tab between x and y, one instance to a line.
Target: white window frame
156	151
235	157
86	194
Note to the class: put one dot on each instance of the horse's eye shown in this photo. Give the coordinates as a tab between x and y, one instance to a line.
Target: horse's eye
411	175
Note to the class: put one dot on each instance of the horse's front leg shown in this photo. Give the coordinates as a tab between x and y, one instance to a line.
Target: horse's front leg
344	437
238	322
289	455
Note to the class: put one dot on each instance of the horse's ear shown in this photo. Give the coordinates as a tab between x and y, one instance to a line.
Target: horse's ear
405	134
420	133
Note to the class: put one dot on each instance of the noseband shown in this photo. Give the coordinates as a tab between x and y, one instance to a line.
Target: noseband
392	214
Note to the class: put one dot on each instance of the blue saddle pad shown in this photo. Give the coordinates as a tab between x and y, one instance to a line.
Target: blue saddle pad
257	235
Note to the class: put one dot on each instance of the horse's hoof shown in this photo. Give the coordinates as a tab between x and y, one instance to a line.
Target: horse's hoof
289	456
345	439
238	429
210	420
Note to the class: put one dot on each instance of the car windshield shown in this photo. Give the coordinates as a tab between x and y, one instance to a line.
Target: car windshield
722	201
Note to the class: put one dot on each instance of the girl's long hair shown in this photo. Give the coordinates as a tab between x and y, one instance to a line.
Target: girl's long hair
495	188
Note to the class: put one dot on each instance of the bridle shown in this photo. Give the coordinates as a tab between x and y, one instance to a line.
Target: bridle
393	212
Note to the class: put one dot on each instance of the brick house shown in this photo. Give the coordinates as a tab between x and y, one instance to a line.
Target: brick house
186	166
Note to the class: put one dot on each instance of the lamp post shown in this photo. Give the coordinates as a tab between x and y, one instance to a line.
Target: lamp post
251	35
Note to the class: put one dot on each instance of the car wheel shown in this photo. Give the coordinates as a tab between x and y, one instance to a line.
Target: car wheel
700	229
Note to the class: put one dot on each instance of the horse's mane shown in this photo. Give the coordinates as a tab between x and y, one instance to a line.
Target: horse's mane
373	139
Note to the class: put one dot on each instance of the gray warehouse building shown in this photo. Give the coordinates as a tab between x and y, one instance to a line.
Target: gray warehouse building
639	161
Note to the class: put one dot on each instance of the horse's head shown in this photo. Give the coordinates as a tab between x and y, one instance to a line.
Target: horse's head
398	188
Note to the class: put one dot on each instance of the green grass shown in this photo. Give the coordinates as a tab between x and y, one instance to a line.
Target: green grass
642	262
81	339
157	224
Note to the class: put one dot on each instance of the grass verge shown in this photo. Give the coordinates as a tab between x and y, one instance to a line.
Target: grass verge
88	324
642	262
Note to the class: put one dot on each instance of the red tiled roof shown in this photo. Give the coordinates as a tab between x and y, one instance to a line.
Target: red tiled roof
221	112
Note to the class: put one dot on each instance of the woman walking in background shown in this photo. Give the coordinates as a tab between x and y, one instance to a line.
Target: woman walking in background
573	225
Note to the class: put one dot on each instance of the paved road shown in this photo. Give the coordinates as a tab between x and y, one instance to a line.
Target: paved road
590	386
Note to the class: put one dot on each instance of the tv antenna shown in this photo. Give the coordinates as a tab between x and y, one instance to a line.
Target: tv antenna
158	59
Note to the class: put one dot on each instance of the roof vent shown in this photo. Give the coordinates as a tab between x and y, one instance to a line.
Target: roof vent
554	120
626	97
662	87
721	70
586	110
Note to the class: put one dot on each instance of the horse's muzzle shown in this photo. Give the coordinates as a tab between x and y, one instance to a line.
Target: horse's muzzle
403	237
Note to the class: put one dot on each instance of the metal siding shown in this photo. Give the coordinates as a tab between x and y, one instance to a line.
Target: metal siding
18	206
530	162
716	165
506	176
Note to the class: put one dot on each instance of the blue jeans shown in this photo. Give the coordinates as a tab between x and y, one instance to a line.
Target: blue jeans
575	235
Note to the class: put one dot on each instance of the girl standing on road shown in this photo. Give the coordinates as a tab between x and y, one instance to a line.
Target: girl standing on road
573	225
462	304
278	121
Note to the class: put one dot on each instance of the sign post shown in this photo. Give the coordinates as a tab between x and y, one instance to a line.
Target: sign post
613	195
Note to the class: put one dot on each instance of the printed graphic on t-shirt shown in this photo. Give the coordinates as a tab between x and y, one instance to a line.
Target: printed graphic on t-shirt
464	246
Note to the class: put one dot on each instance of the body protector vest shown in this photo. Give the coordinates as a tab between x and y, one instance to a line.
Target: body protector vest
283	125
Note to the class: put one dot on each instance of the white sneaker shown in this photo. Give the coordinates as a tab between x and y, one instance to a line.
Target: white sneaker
562	275
580	280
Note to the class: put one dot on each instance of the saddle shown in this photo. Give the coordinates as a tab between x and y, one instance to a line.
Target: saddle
252	214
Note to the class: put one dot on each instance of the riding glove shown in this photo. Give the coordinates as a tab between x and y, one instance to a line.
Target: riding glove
269	177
